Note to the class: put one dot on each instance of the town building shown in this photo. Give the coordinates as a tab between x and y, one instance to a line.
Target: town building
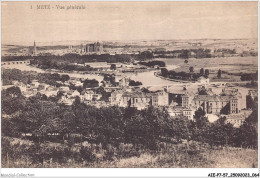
96	47
229	102
89	95
34	49
136	99
124	82
160	98
181	111
116	97
237	119
69	97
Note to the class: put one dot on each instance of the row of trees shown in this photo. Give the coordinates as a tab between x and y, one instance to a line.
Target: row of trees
66	62
26	77
188	76
201	53
153	63
202	72
249	76
185	53
191	76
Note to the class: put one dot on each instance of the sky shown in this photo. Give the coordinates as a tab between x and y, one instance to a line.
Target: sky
23	23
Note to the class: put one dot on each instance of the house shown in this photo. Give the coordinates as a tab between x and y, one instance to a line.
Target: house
66	100
29	93
136	99
15	82
35	83
66	83
163	98
189	113
160	98
116	97
175	111
86	95
90	95
51	91
76	83
64	89
237	119
42	87
22	87
96	97
69	97
124	82
73	93
186	100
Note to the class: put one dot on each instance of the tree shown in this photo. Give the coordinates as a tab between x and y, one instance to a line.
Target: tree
199	113
13	91
247	133
145	55
191	69
250	103
105	95
77	101
113	67
145	127
110	78
11	105
164	72
65	78
207	73
225	109
185	54
219	73
134	83
145	90
90	83
201	71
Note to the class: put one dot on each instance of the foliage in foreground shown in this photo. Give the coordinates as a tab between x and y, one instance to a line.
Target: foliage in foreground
18	153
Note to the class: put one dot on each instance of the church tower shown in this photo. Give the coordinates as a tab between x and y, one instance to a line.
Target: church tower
34	49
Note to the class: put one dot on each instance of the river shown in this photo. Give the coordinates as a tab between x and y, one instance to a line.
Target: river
24	67
147	78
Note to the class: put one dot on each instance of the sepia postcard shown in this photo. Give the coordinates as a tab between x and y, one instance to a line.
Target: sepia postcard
162	84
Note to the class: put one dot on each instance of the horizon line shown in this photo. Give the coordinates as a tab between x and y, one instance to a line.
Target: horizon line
180	39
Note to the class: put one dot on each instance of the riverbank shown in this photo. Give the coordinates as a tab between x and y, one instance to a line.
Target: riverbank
174	80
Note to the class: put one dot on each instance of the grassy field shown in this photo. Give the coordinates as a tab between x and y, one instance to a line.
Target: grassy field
226	158
18	153
230	64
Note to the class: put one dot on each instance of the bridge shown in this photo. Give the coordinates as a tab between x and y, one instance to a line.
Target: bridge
4	63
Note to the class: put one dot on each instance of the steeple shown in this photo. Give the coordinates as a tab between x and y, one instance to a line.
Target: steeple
34	49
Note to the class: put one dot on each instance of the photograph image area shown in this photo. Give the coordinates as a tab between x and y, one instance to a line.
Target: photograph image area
129	84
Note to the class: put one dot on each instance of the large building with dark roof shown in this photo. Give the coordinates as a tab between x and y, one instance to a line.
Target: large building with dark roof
92	48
